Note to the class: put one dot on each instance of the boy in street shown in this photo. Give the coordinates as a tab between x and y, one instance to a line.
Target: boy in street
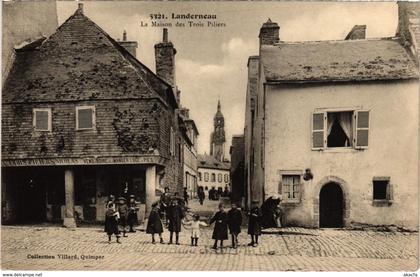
254	225
174	216
132	213
220	228
234	219
123	211
111	222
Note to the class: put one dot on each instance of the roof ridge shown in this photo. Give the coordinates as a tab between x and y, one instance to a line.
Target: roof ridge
332	41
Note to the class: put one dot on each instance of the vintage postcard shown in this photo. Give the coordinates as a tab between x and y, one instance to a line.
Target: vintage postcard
210	136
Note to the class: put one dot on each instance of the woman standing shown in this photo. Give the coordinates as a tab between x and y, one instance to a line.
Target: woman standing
154	224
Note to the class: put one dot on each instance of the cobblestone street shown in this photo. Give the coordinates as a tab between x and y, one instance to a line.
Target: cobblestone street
294	249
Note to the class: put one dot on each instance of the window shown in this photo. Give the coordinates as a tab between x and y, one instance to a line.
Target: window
42	119
85	117
213	177
346	129
206	176
219	177
290	188
382	189
199	176
226	178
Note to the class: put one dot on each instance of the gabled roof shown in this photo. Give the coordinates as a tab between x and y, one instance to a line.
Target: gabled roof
347	60
80	61
208	161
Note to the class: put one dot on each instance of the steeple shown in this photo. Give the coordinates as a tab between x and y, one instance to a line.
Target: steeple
217	143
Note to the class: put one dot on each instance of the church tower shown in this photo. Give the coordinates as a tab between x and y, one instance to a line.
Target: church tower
217	139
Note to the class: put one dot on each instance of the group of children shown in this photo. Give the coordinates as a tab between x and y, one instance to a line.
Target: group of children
174	214
224	221
120	214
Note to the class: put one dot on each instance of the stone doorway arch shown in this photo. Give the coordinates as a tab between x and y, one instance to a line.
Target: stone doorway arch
335	184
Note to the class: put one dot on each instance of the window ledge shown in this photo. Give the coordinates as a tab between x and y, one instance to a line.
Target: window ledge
290	202
340	149
381	202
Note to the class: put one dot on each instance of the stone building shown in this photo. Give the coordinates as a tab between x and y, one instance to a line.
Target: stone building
82	118
213	173
333	126
217	137
190	152
237	170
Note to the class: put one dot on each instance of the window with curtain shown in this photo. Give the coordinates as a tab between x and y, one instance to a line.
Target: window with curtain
206	176
339	129
219	177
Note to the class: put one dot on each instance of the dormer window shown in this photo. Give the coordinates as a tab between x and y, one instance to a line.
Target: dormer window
42	119
85	117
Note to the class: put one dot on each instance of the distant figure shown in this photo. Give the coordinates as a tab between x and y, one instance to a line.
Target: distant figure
132	218
154	224
234	219
164	202
226	192
195	229
111	222
254	225
186	196
201	195
220	231
175	215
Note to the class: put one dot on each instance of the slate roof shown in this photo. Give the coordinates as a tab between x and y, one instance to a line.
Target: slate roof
208	161
348	60
80	61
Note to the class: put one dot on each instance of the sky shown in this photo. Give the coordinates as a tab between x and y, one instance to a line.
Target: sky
211	62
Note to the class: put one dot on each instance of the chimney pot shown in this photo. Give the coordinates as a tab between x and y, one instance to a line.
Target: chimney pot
125	35
165	35
269	33
80	7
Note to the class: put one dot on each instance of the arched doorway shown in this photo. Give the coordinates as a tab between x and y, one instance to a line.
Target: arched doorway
331	206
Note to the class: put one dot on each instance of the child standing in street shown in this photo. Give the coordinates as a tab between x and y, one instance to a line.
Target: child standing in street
220	228
234	223
123	211
111	222
154	224
175	215
254	225
195	229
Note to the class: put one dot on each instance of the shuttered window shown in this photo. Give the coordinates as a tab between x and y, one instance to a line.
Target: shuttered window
318	122
42	119
362	129
226	178
85	117
219	177
206	176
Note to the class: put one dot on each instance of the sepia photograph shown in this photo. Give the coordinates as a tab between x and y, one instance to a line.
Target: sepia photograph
276	136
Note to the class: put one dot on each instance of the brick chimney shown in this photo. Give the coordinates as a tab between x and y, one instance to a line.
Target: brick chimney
269	33
165	60
357	32
130	46
408	25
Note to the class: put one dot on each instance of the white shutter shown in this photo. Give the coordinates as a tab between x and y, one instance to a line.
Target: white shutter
362	123
318	130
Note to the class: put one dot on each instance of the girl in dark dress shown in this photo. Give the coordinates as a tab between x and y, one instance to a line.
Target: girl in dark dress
254	225
111	222
220	228
175	215
234	223
154	224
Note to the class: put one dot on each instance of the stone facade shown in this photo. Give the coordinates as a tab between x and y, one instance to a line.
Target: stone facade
237	170
320	131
